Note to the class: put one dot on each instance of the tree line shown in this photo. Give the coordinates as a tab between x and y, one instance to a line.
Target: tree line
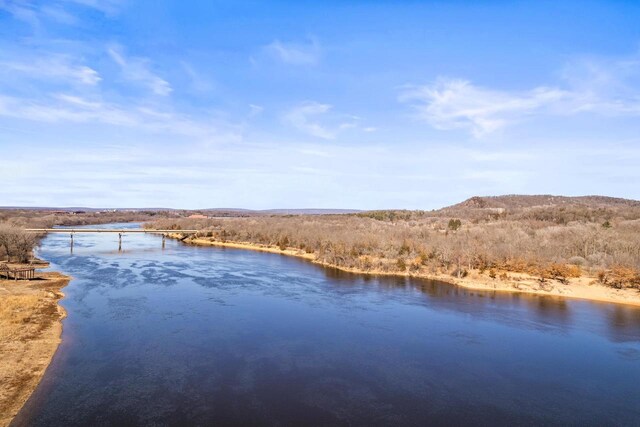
552	244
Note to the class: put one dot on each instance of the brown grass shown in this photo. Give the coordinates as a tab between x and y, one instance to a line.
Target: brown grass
30	330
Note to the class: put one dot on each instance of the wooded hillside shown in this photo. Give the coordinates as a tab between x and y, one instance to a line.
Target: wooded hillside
552	238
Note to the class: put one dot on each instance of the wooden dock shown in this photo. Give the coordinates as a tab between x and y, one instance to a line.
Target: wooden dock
23	273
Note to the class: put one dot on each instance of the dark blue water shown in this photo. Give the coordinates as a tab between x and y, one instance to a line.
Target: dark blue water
208	336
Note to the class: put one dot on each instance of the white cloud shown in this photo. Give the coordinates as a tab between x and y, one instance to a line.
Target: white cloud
108	7
58	14
199	83
138	70
37	13
607	86
55	67
455	104
255	110
21	10
78	101
302	118
318	120
604	87
69	108
295	53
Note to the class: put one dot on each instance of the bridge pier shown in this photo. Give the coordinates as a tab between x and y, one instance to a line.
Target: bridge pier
120	232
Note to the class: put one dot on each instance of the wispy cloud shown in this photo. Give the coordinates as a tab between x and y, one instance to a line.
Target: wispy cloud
138	70
198	82
58	14
53	67
108	7
319	120
62	108
295	53
596	86
69	108
255	110
37	13
23	11
608	86
458	104
303	118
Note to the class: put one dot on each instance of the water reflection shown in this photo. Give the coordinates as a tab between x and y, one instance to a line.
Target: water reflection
438	295
624	323
194	335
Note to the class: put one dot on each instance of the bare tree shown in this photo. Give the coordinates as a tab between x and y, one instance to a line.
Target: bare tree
18	244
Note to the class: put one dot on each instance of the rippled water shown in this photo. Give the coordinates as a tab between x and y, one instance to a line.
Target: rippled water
210	336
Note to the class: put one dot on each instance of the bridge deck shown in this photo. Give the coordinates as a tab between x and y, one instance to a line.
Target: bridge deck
104	230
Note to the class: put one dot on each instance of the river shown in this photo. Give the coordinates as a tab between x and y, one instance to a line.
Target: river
191	335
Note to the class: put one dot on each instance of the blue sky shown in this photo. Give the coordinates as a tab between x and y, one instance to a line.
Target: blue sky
326	104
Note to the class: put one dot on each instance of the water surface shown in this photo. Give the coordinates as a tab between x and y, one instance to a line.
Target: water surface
211	336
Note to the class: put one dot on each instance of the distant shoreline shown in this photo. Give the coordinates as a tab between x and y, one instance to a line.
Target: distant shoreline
584	288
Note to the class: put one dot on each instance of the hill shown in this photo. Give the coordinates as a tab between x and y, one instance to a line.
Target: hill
548	208
517	201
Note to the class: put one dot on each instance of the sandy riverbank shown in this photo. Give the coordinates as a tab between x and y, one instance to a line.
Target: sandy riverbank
30	330
583	288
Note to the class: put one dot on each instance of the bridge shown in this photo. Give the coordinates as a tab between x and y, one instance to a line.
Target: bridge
121	231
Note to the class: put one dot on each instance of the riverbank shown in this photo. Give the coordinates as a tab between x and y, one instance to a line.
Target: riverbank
586	288
30	332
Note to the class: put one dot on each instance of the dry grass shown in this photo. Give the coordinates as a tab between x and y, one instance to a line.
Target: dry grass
30	330
16	316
